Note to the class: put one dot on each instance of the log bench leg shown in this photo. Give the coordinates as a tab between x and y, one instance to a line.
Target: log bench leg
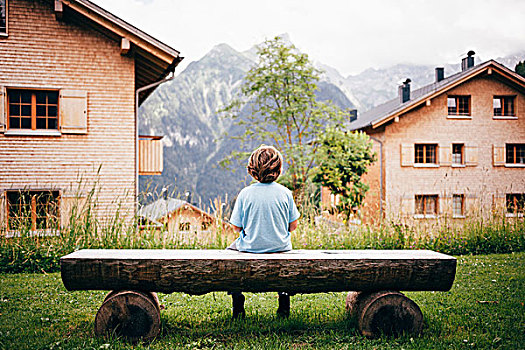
238	305
284	305
151	295
384	312
133	315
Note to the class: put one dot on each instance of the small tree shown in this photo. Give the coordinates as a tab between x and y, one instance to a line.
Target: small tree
343	159
520	68
280	91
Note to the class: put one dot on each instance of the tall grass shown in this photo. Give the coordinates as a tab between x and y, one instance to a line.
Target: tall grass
29	251
470	237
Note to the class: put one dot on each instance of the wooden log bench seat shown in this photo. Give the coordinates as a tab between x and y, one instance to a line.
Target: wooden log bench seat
374	278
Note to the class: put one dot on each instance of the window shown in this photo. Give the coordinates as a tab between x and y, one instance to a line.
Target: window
34	210
503	106
458	105
515	153
457	153
3	17
32	109
425	154
184	226
458	205
515	203
426	205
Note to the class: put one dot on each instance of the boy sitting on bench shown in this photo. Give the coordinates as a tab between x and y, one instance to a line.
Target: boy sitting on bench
264	214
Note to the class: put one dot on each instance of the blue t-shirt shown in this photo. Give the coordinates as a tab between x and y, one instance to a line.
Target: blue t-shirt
264	211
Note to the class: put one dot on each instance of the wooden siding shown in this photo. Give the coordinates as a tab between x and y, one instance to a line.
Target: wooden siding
42	52
483	179
150	156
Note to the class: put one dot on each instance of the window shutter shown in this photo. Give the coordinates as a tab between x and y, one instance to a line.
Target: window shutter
445	155
445	205
3	109
498	155
407	205
69	203
73	111
472	205
407	154
471	155
66	209
498	203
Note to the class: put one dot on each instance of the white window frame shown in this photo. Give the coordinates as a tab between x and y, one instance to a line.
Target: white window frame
424	215
462	154
6	20
462	214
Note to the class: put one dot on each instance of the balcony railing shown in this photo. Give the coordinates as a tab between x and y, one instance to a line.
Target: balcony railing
150	155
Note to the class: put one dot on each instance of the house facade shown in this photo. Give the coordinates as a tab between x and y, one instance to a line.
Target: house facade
180	221
70	81
453	149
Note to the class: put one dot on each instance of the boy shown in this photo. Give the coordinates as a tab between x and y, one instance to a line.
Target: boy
264	214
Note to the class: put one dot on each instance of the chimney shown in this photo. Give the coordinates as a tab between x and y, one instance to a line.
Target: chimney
404	91
440	74
468	61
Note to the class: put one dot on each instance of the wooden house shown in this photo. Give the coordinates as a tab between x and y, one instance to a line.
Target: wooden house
72	76
181	221
451	149
454	148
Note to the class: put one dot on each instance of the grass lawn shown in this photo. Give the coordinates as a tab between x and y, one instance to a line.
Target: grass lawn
484	310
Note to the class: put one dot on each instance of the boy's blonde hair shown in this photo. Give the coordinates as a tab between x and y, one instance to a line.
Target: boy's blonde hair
265	164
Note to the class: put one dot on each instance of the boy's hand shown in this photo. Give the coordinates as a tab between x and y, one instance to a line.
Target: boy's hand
293	225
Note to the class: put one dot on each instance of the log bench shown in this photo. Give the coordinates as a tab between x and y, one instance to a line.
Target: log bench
374	278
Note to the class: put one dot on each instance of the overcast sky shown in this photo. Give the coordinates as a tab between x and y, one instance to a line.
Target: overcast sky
347	35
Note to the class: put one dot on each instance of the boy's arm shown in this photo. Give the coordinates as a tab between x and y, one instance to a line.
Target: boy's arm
237	228
293	225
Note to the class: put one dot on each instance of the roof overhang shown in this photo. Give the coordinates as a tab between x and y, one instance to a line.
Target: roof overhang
154	60
488	68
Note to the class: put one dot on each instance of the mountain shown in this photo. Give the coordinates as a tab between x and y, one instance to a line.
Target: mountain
375	86
185	111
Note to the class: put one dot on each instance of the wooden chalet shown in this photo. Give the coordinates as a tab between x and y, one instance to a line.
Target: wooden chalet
180	221
451	150
72	76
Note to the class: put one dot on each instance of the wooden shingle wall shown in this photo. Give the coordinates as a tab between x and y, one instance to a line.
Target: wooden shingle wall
43	52
484	179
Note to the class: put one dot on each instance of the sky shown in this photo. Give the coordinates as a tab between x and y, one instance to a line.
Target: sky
350	36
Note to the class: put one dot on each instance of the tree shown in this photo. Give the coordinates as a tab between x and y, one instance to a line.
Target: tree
283	109
520	68
343	159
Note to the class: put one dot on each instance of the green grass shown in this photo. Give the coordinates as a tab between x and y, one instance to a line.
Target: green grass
484	310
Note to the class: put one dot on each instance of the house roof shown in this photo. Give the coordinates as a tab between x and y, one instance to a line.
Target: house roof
162	207
394	108
154	59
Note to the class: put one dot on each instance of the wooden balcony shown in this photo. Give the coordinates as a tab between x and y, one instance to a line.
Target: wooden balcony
150	155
